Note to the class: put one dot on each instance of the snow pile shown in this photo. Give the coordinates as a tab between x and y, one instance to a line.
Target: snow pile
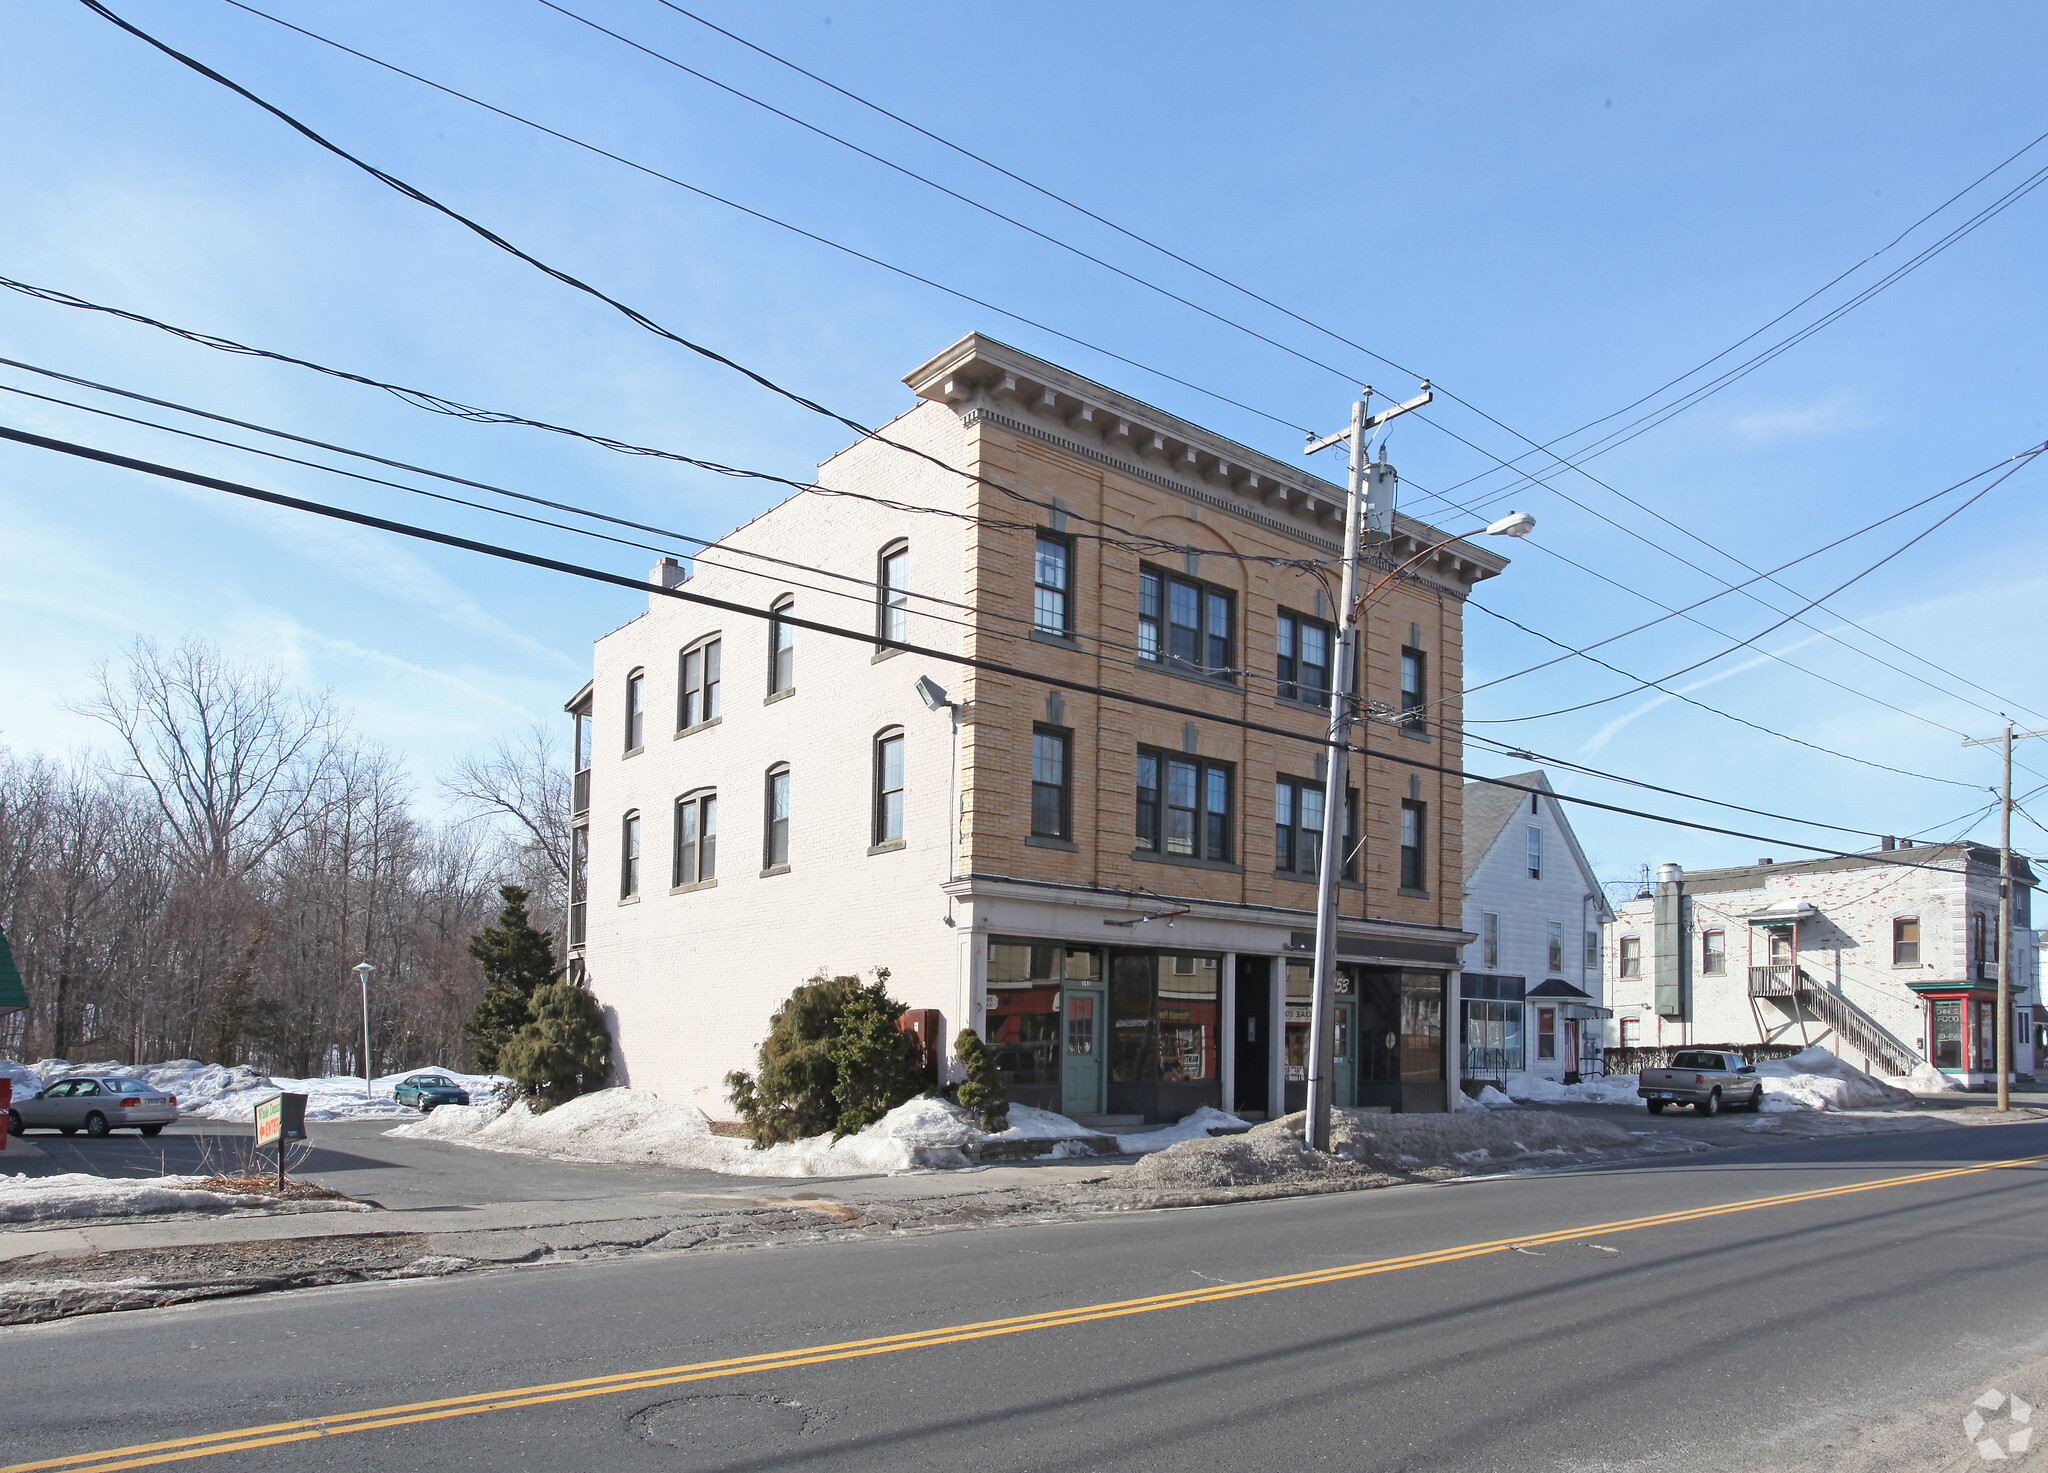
1600	1089
232	1092
1468	1138
25	1080
1924	1080
1490	1098
1195	1127
1241	1161
77	1194
1815	1079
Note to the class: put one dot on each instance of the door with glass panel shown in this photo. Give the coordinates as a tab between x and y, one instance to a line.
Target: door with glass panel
1081	1073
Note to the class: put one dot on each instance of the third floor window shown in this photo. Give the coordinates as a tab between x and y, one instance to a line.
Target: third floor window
1185	624
781	647
1414	671
1052	586
697	701
1303	647
1183	806
892	594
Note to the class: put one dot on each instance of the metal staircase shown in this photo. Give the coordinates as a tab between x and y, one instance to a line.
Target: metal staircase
1795	987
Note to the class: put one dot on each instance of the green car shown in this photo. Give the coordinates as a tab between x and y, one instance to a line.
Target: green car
424	1091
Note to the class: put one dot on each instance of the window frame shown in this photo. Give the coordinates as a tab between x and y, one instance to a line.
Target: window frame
1553	940
1160	651
700	694
1900	943
777	772
1154	843
1065	591
1305	864
1628	956
636	710
1489	939
1411	718
1065	737
883	740
1535	849
1714	963
1545	1032
1414	856
892	600
629	855
781	642
702	806
1288	663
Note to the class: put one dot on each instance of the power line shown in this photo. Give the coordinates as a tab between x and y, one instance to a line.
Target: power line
780	224
447	539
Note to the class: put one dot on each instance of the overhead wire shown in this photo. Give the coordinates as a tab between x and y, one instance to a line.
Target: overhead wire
536	560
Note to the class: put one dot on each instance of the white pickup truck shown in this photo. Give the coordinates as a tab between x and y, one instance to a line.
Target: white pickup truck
1707	1079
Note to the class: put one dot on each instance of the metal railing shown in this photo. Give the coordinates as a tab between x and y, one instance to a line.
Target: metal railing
1778	981
576	923
580	802
1794	987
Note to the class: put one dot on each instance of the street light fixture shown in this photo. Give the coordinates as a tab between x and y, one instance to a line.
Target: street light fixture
362	971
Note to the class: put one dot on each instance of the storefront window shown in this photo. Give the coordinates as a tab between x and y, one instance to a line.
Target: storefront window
1987	1040
1023	1027
1422	1025
1946	1028
1493	1045
1164	1010
1301	997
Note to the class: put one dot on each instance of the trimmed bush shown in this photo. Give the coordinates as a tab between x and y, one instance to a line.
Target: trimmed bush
834	1060
564	1051
984	1091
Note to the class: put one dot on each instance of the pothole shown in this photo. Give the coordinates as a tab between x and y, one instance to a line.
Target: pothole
733	1422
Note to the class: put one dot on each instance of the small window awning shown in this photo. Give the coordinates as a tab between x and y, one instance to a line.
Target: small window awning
1558	987
1583	1010
12	993
1784	913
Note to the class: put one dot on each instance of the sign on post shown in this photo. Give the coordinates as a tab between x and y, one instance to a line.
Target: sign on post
279	1119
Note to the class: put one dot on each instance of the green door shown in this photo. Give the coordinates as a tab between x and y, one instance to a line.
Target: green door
1346	1053
1081	1064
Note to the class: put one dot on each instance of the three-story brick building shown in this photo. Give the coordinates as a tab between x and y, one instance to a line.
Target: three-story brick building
1119	897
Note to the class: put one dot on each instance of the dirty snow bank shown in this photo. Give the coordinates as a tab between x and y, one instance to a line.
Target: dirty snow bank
1924	1080
633	1128
1601	1089
1369	1144
1815	1079
232	1092
77	1194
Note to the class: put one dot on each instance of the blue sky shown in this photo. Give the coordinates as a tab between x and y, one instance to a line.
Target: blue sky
1548	210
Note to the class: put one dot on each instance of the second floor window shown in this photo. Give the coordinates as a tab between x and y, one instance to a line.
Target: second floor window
1414	818
1905	941
1554	958
1977	948
696	838
1298	827
698	702
629	857
889	786
775	819
1535	853
1413	671
1489	939
1185	624
1303	647
781	647
1183	806
636	709
892	594
1051	794
1052	586
1713	954
1631	951
1592	951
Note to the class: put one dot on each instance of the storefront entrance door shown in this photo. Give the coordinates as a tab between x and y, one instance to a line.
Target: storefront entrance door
1346	1060
1081	1072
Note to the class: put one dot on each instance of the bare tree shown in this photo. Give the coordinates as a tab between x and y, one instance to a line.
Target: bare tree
233	759
523	783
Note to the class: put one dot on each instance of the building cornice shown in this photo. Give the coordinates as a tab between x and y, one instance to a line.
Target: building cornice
988	382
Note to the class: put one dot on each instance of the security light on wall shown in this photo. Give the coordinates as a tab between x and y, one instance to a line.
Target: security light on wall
931	693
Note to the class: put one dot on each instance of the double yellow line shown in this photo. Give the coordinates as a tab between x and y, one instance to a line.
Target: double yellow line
307	1429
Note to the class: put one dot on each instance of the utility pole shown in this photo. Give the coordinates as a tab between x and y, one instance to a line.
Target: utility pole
1322	1074
2006	738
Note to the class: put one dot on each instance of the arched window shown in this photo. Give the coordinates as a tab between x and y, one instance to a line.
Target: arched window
636	709
629	857
775	818
696	858
888	823
781	646
892	594
697	685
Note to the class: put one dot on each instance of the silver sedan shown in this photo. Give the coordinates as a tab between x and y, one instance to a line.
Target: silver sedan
95	1104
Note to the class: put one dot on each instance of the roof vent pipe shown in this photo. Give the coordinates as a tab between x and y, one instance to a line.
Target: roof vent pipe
1890	842
1765	860
1669	874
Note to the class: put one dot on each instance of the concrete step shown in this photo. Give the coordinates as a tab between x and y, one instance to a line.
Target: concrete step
1106	1122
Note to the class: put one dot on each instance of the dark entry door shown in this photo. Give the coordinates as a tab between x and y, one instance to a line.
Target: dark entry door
1254	1036
1379	1037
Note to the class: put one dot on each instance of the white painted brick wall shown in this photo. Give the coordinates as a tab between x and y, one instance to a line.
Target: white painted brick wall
690	980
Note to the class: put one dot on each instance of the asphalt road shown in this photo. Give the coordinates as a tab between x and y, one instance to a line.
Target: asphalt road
357	1157
1849	1330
